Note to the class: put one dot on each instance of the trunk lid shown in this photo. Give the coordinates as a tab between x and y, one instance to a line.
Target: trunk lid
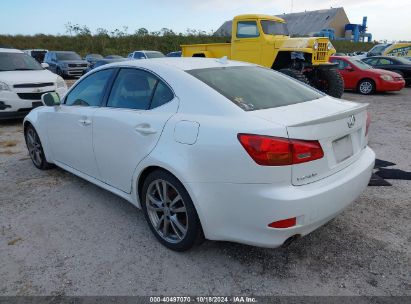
338	125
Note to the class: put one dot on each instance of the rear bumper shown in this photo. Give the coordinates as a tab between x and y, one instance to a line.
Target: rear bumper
391	86
242	212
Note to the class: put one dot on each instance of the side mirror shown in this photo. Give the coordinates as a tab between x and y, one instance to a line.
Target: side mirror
349	68
51	99
45	65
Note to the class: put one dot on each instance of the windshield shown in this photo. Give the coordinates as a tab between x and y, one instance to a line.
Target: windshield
68	56
255	88
154	55
18	62
378	49
274	28
360	64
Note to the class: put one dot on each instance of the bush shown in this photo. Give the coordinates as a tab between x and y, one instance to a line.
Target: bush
106	44
121	43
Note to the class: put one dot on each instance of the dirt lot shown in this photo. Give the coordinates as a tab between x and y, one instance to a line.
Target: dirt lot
60	235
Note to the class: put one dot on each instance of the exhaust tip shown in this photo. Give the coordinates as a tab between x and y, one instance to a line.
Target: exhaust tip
290	240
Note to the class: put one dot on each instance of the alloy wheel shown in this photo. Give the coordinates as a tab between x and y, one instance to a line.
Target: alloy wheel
34	146
167	211
366	87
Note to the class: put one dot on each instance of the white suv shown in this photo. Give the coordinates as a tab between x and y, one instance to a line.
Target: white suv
22	82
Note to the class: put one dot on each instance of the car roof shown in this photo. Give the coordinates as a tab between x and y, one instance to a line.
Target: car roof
383	57
182	63
62	51
146	51
5	50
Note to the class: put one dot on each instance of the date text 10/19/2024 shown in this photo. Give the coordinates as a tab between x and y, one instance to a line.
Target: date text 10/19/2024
203	299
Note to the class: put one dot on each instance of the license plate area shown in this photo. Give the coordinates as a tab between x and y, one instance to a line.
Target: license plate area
343	148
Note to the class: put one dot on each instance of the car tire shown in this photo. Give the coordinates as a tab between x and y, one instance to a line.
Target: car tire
366	87
35	148
295	74
170	212
332	82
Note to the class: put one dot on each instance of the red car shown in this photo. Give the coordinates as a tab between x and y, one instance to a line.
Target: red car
365	79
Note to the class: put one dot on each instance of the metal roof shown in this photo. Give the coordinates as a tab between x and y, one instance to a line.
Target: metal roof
309	22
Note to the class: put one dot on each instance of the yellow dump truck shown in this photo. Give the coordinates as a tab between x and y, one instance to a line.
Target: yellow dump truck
402	49
264	40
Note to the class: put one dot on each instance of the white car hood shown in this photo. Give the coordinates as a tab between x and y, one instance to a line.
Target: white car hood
17	77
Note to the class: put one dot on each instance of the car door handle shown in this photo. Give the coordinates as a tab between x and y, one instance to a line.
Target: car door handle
85	122
145	130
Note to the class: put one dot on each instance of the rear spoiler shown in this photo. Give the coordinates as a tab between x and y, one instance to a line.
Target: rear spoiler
339	115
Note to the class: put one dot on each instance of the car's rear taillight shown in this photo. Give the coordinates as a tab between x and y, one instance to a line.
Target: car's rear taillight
367	123
287	223
277	151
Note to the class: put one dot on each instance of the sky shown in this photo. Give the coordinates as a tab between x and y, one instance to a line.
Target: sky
387	20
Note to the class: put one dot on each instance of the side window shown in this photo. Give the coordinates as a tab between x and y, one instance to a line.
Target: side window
384	61
247	29
370	61
132	89
90	91
341	64
161	96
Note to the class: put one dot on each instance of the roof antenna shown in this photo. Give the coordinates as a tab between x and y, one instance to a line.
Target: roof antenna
222	60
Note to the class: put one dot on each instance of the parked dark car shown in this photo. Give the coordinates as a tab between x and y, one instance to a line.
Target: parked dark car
395	64
114	57
103	62
93	58
174	54
65	63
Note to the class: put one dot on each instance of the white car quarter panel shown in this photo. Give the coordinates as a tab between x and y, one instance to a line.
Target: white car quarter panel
186	132
217	155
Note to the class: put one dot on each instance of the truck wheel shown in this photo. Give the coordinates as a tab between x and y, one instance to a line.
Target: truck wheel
330	82
295	74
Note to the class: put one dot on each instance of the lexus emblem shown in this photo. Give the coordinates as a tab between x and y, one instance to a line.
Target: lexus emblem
351	121
38	90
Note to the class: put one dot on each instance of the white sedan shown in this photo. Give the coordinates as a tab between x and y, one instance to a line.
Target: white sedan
208	148
22	82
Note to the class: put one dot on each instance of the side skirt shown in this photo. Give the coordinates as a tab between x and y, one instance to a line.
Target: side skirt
97	182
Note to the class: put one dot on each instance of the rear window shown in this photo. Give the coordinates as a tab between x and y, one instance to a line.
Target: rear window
255	88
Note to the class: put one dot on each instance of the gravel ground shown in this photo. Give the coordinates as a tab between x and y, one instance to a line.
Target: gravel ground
60	235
